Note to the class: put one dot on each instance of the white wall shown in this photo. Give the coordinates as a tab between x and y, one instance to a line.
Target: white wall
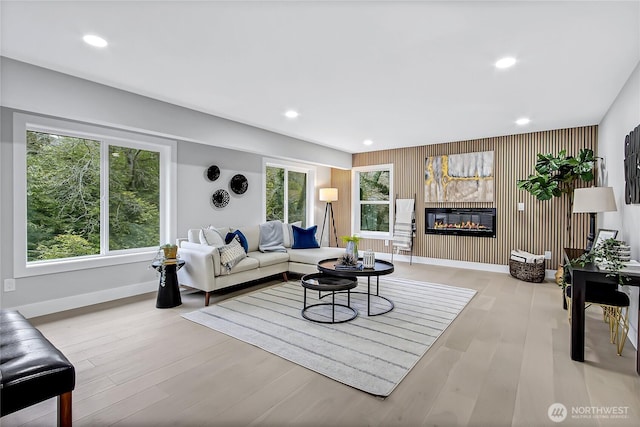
622	117
200	136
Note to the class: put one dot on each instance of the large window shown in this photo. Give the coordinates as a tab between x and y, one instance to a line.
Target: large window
88	194
287	193
373	201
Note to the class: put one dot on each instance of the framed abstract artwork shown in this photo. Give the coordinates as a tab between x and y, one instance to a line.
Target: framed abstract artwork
464	177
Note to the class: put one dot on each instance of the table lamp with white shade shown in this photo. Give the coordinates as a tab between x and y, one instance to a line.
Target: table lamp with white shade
593	200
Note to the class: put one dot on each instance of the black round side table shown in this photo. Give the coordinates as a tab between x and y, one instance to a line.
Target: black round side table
168	290
326	283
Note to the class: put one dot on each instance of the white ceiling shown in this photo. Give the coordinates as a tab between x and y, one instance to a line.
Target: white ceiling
399	73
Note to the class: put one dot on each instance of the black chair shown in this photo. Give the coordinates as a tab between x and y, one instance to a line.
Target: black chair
615	309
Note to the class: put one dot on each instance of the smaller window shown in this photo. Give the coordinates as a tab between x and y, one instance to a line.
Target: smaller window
373	212
287	193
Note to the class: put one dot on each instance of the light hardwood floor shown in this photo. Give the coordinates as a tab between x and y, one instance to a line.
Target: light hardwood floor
502	362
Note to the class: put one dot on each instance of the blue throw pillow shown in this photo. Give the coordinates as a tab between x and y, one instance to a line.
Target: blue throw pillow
241	237
304	238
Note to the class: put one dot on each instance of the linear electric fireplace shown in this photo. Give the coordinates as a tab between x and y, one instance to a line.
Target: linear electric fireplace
461	222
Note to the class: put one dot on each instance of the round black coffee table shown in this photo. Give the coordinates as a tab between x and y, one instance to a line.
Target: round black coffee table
380	268
325	283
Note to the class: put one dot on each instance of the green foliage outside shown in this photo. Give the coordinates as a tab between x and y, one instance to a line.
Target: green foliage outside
296	195
275	193
63	197
374	187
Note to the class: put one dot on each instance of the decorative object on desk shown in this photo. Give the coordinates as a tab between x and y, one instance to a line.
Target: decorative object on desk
632	167
213	173
329	195
558	176
239	184
624	252
592	200
369	259
604	234
220	198
352	244
605	256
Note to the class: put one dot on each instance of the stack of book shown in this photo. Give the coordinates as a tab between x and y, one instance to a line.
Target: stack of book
357	266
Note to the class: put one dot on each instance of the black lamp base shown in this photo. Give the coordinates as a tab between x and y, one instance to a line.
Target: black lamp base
592	231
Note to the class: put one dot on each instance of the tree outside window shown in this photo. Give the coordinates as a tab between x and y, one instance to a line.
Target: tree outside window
373	204
64	193
283	183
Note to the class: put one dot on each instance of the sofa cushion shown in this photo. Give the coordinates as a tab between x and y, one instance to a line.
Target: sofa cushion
287	232
252	233
313	256
237	235
305	238
231	254
211	237
193	235
269	258
245	264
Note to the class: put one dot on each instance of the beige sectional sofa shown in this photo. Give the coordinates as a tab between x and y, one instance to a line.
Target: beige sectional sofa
204	271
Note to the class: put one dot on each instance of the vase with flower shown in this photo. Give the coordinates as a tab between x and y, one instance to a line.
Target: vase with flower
351	245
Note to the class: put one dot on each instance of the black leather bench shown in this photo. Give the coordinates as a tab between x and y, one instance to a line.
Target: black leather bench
32	369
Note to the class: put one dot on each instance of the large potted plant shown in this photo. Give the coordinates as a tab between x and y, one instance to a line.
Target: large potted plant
558	176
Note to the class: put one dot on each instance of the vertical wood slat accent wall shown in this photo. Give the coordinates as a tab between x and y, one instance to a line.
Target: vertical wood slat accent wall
541	227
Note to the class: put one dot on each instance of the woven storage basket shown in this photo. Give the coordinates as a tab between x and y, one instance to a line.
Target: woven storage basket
527	271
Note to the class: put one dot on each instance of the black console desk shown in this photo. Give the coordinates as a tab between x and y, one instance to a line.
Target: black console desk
581	277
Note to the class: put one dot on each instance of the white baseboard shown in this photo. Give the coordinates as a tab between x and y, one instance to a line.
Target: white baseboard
76	301
496	268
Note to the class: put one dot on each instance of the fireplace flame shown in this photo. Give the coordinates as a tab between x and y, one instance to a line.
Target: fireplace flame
461	225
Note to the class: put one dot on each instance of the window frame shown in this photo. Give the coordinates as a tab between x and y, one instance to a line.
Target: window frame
356	202
107	136
294	167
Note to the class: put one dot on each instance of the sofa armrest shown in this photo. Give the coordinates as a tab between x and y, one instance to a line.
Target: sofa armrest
202	265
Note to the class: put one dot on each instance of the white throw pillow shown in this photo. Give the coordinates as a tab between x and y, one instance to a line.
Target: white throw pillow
231	254
287	233
211	237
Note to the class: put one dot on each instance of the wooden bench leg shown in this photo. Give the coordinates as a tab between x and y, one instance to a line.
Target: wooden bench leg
284	277
64	410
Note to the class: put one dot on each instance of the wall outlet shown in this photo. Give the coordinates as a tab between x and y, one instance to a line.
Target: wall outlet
9	285
386	243
547	254
520	206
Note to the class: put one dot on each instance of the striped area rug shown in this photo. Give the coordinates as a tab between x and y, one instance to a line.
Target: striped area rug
370	353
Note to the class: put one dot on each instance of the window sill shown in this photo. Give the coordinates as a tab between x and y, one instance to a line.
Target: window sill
69	265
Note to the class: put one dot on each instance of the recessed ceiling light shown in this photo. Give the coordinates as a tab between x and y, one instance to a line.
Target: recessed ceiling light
292	114
523	121
506	62
94	40
367	142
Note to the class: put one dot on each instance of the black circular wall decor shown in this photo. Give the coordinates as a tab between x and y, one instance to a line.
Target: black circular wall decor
239	184
213	173
220	198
